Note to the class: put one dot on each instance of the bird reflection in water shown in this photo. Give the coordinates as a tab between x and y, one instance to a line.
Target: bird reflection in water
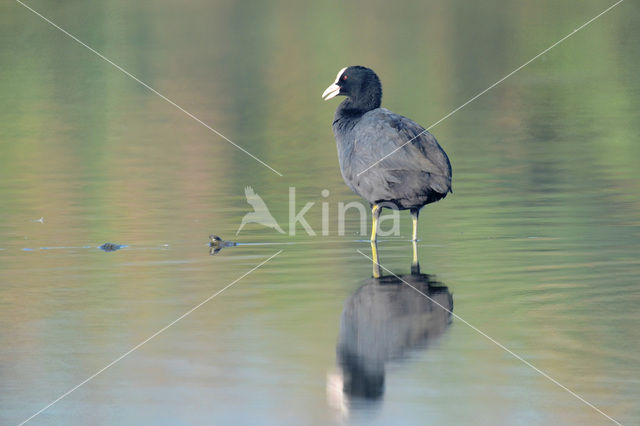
387	317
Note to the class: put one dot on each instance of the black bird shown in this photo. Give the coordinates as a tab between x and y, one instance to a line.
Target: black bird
387	159
384	320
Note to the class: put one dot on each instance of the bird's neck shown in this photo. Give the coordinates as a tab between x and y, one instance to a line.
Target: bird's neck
355	106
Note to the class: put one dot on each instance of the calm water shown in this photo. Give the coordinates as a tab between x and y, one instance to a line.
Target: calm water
538	247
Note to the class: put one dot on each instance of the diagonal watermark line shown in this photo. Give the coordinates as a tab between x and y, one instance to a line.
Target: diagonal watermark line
496	83
500	345
149	338
149	87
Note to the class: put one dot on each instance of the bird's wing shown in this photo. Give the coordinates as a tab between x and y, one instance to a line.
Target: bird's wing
423	147
381	132
255	200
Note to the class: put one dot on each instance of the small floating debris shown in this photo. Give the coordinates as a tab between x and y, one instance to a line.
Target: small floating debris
216	244
111	247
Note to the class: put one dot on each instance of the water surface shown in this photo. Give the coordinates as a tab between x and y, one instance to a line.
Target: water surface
538	247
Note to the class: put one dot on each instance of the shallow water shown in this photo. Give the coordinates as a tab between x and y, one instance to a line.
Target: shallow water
539	246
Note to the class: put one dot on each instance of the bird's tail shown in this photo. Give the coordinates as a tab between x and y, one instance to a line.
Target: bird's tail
240	228
277	228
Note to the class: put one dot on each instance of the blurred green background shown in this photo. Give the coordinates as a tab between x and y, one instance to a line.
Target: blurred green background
539	244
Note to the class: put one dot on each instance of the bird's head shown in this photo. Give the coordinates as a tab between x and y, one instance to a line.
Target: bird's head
360	85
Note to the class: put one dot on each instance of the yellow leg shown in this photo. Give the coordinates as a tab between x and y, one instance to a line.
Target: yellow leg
415	265
376	263
375	213
414	217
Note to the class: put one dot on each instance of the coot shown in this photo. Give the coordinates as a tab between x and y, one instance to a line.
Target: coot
387	159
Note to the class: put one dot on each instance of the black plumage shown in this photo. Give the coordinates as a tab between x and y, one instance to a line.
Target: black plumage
387	159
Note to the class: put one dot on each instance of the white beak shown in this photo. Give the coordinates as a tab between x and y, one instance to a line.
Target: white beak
331	92
334	89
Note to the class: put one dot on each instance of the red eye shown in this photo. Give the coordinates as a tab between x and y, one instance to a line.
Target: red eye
344	77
